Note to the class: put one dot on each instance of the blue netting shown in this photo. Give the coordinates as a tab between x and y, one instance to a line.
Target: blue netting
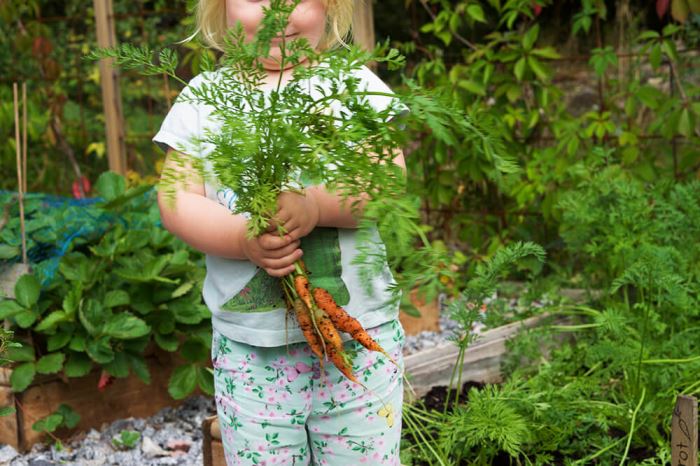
71	222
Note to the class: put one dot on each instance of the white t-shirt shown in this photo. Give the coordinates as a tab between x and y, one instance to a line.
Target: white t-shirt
247	304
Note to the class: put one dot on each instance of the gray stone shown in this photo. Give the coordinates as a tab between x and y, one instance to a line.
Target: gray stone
7	454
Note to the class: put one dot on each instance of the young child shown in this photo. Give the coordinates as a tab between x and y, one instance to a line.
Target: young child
277	404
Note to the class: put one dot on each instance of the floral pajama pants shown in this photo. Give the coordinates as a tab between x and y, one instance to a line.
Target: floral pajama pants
276	406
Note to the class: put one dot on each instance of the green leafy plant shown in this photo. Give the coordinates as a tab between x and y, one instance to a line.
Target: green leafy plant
64	416
123	288
126	440
5	343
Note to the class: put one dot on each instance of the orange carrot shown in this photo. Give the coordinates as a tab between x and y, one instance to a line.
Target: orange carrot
307	327
340	361
328	331
301	284
345	322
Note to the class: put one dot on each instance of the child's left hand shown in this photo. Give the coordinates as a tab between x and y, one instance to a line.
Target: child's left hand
297	213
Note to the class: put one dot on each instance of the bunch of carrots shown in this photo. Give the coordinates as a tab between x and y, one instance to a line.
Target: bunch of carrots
321	319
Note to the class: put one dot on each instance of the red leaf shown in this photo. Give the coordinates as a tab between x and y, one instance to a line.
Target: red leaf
105	381
85	185
662	7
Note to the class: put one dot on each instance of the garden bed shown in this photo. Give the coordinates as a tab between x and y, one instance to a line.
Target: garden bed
123	398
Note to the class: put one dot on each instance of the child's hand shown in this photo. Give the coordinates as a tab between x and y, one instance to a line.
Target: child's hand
276	254
297	213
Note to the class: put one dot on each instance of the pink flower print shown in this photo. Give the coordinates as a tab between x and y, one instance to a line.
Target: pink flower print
307	395
293	352
363	459
370	361
325	418
261	448
376	456
342	396
296	370
326	436
252	356
315	429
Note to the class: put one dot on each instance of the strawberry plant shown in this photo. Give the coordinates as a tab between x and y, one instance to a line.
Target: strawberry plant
122	285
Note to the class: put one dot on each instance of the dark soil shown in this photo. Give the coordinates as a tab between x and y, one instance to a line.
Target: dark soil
435	398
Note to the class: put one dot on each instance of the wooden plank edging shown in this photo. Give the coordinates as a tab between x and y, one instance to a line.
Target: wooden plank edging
433	367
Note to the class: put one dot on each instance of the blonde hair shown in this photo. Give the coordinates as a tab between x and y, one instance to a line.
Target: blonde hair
211	23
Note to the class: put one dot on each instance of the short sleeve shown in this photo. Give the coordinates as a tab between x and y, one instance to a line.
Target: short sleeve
182	125
372	83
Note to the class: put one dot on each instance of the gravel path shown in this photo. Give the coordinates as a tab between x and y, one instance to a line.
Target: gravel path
173	436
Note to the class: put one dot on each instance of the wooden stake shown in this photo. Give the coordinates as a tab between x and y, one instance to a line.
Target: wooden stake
18	150
111	96
684	432
24	137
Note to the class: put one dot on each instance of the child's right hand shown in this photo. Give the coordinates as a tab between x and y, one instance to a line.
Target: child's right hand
276	254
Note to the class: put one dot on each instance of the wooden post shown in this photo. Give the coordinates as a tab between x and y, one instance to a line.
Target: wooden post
684	432
111	96
363	24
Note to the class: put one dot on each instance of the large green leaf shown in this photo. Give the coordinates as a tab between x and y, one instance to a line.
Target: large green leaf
194	350
70	417
92	317
205	380
119	366
27	290
8	252
51	363
116	298
125	326
59	339
167	342
9	308
49	423
100	350
22	376
187	312
110	185
76	267
77	343
71	302
50	321
140	368
183	381
21	353
25	318
78	365
530	37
